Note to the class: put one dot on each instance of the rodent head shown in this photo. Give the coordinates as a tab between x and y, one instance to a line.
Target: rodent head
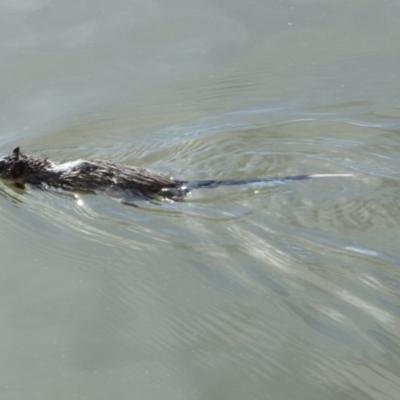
12	166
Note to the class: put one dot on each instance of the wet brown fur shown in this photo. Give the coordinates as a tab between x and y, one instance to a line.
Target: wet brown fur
85	175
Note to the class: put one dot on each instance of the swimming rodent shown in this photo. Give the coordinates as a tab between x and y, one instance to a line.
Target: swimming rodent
116	180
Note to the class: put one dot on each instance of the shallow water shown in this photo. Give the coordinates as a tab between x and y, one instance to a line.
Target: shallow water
283	290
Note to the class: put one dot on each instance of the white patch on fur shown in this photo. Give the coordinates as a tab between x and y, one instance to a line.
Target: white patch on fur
68	166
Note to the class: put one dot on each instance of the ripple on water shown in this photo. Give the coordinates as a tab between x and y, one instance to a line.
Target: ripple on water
244	277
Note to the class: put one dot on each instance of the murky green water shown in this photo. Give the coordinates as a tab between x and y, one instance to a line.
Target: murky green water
280	291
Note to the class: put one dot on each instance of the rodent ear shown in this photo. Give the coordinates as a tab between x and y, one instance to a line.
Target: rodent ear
16	152
17	169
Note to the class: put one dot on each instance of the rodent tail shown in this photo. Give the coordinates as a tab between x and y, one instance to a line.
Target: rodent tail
235	182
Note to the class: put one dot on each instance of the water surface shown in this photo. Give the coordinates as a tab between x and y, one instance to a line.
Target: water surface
282	291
